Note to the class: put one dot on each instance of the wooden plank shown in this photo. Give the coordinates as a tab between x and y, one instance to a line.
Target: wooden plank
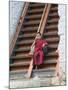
23	63
31	22
33	16
21	56
37	5
53	20
32	11
45	19
30	29
27	35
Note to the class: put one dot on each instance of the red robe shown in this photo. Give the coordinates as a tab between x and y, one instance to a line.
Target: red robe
38	56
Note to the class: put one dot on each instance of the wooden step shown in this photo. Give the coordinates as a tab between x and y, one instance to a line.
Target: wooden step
31	35
18	71
34	70
44	70
53	15
23	63
47	72
31	23
53	39
49	40
27	35
36	5
19	74
33	17
20	56
50	61
34	11
54	53
20	60
54	5
22	49
54	20
51	27
48	34
53	46
25	42
54	9
30	29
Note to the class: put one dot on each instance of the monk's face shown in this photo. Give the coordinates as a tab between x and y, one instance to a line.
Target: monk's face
38	36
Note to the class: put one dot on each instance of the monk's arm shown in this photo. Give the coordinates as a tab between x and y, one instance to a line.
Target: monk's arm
45	43
33	43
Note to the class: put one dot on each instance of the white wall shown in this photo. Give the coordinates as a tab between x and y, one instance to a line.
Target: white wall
15	12
61	32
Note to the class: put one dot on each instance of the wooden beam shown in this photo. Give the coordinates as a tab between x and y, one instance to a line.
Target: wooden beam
45	19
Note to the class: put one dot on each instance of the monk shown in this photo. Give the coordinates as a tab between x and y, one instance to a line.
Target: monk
38	55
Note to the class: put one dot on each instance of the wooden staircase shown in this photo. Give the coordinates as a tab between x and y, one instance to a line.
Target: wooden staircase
32	23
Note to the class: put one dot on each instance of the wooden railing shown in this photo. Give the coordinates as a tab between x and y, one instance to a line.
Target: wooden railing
18	28
41	30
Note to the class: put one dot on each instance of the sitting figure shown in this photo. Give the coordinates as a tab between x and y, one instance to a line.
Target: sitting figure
37	50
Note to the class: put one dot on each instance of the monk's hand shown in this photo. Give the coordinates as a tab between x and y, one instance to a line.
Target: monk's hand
43	45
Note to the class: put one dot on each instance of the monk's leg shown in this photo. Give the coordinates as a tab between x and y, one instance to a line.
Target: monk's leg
41	57
35	57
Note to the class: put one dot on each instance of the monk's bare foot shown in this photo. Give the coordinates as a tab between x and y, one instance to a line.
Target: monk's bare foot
36	67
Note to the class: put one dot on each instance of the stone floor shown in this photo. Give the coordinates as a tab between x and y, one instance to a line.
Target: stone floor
38	82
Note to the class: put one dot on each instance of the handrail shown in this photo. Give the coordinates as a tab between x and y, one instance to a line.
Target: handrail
40	29
45	19
18	28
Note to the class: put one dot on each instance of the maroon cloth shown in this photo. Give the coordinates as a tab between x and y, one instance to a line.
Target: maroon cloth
38	55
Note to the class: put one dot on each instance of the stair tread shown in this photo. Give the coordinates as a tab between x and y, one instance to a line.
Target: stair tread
34	70
53	46
28	48
31	22
27	56
22	49
52	39
35	10
51	26
36	5
21	56
20	63
50	33
54	8
28	62
50	61
53	20
27	35
34	34
25	42
54	53
30	29
33	16
18	71
53	14
45	69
